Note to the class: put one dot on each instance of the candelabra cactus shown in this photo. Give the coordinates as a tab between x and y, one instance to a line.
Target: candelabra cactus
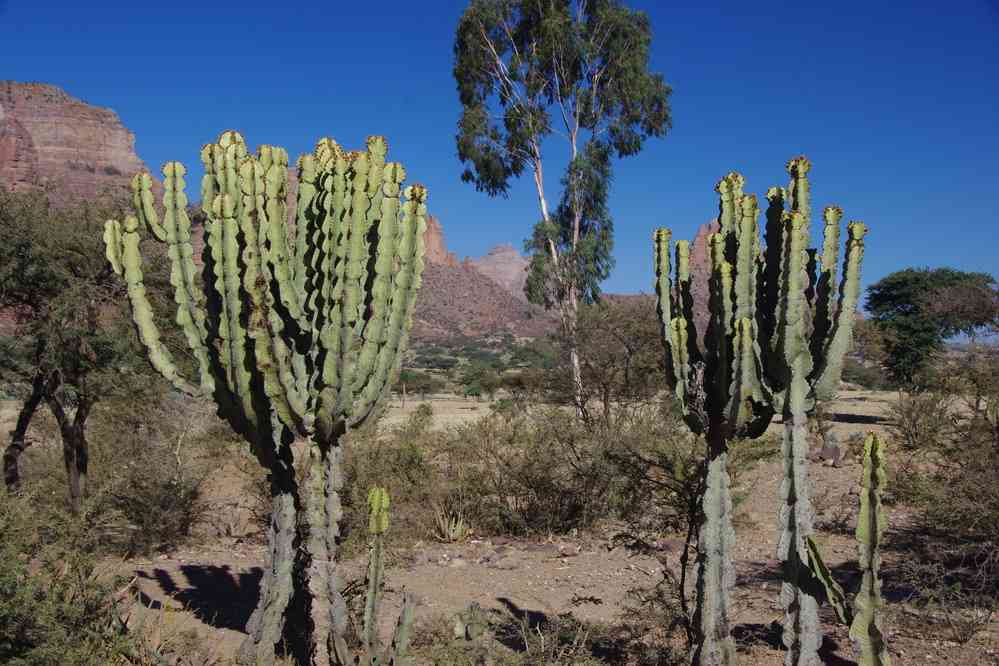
774	342
296	329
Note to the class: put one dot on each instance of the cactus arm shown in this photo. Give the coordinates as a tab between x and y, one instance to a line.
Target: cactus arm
800	188
274	161
270	354
747	251
841	337
113	245
397	652
771	295
866	626
225	210
142	312
144	204
381	286
664	309
834	591
187	295
338	187
825	295
378	505
406	285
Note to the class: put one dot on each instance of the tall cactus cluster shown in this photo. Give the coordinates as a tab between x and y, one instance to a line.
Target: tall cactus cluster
777	331
296	330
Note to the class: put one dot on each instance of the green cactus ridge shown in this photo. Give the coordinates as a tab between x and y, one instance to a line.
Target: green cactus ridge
778	330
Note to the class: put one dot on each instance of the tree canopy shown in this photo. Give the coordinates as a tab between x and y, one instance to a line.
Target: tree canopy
919	308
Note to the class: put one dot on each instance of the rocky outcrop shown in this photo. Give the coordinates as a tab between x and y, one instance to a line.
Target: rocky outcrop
506	267
459	301
436	246
51	139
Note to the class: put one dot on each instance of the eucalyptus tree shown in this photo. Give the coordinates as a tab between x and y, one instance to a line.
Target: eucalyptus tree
530	71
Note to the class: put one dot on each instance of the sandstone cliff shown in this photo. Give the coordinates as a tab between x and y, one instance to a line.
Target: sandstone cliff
49	138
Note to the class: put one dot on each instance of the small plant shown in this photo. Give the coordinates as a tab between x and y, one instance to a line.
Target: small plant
864	619
449	523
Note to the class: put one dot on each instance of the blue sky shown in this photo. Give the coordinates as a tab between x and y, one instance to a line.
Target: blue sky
897	105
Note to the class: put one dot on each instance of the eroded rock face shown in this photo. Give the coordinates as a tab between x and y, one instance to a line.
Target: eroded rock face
506	267
51	139
436	246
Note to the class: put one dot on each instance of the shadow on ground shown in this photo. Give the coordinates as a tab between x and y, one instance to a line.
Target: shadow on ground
216	595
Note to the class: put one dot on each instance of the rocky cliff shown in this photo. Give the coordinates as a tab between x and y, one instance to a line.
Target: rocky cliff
49	138
506	267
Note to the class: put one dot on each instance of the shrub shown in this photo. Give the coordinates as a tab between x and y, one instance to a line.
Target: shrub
54	608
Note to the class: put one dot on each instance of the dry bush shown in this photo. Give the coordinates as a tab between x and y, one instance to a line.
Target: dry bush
951	477
147	469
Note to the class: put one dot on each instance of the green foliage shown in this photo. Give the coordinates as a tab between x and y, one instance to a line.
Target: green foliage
70	341
526	70
55	607
919	308
415	381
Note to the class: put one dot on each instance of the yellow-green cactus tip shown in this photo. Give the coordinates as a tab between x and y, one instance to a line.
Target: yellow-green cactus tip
798	165
857	230
833	213
131	224
378	507
416	192
723	186
229	138
748	203
377	144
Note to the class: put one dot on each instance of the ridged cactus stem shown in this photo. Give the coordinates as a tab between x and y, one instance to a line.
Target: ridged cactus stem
323	509
866	626
266	624
715	569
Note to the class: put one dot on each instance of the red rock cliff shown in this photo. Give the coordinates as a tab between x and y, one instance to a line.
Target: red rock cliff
48	137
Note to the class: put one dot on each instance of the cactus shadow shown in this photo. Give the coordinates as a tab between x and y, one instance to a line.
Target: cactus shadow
769	635
218	596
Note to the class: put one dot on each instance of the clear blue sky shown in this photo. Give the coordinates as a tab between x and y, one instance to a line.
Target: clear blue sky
897	105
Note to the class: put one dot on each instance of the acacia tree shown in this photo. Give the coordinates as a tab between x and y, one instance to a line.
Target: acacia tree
66	336
919	308
528	70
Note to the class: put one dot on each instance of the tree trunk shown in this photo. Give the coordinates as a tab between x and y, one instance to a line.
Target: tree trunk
301	604
18	437
75	449
715	570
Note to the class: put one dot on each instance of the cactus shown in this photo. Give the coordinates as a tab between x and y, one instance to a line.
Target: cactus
864	619
378	504
865	628
296	331
774	343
